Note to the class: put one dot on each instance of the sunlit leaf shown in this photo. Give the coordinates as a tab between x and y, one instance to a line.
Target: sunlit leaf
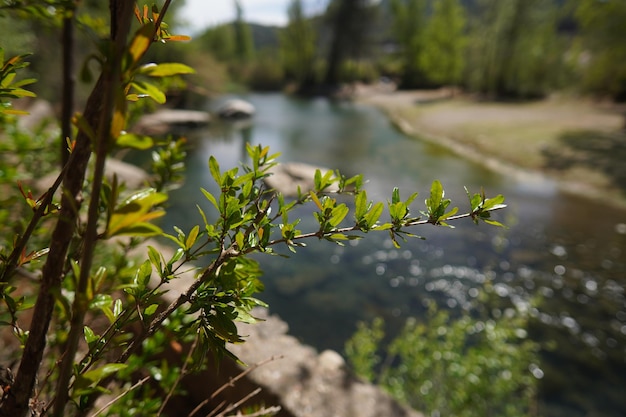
150	90
214	167
193	235
166	69
141	42
132	215
373	215
131	140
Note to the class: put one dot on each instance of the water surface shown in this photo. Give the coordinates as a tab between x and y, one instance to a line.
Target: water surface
567	249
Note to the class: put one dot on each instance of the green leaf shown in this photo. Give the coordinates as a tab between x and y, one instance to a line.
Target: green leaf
81	123
210	197
494	223
90	336
150	90
133	214
155	257
395	195
338	214
165	69
373	215
315	199
140	42
360	205
317	180
239	240
131	140
214	167
193	235
151	309
96	375
117	308
494	203
436	196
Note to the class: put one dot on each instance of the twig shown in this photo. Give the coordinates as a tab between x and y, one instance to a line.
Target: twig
232	382
114	400
237	404
262	412
183	372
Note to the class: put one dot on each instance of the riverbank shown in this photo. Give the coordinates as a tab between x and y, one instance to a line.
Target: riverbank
577	143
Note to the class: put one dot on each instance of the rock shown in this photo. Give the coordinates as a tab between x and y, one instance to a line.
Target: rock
309	384
38	112
165	120
236	109
287	177
131	175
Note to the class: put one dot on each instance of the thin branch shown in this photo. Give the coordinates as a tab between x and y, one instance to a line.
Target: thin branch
320	234
112	85
262	412
183	372
231	383
237	404
44	204
114	400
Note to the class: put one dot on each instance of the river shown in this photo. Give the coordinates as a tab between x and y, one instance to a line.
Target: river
569	250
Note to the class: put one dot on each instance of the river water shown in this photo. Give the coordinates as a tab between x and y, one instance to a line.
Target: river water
569	250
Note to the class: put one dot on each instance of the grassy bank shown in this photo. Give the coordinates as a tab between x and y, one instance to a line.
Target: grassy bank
578	143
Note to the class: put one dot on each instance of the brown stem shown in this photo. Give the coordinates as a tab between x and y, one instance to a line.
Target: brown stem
112	88
67	105
16	404
156	323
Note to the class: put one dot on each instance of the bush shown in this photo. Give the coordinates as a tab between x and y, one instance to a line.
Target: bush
468	366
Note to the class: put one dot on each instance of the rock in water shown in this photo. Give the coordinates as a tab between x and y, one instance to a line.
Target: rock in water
236	109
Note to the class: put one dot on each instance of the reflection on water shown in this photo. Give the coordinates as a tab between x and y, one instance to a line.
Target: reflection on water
566	249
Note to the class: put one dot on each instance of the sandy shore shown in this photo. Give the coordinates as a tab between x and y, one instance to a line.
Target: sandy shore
578	143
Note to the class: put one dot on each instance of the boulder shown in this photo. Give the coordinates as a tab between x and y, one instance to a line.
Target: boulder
236	109
308	383
166	120
287	177
134	177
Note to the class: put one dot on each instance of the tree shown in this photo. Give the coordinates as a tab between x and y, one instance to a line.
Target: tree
444	49
219	42
409	26
349	21
98	316
244	47
602	33
513	49
298	46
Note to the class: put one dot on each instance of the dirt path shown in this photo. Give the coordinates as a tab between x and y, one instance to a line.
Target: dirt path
576	142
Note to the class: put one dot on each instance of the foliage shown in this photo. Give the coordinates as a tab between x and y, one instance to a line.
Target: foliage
9	86
409	27
513	49
98	310
244	46
472	365
348	21
443	57
298	45
602	34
